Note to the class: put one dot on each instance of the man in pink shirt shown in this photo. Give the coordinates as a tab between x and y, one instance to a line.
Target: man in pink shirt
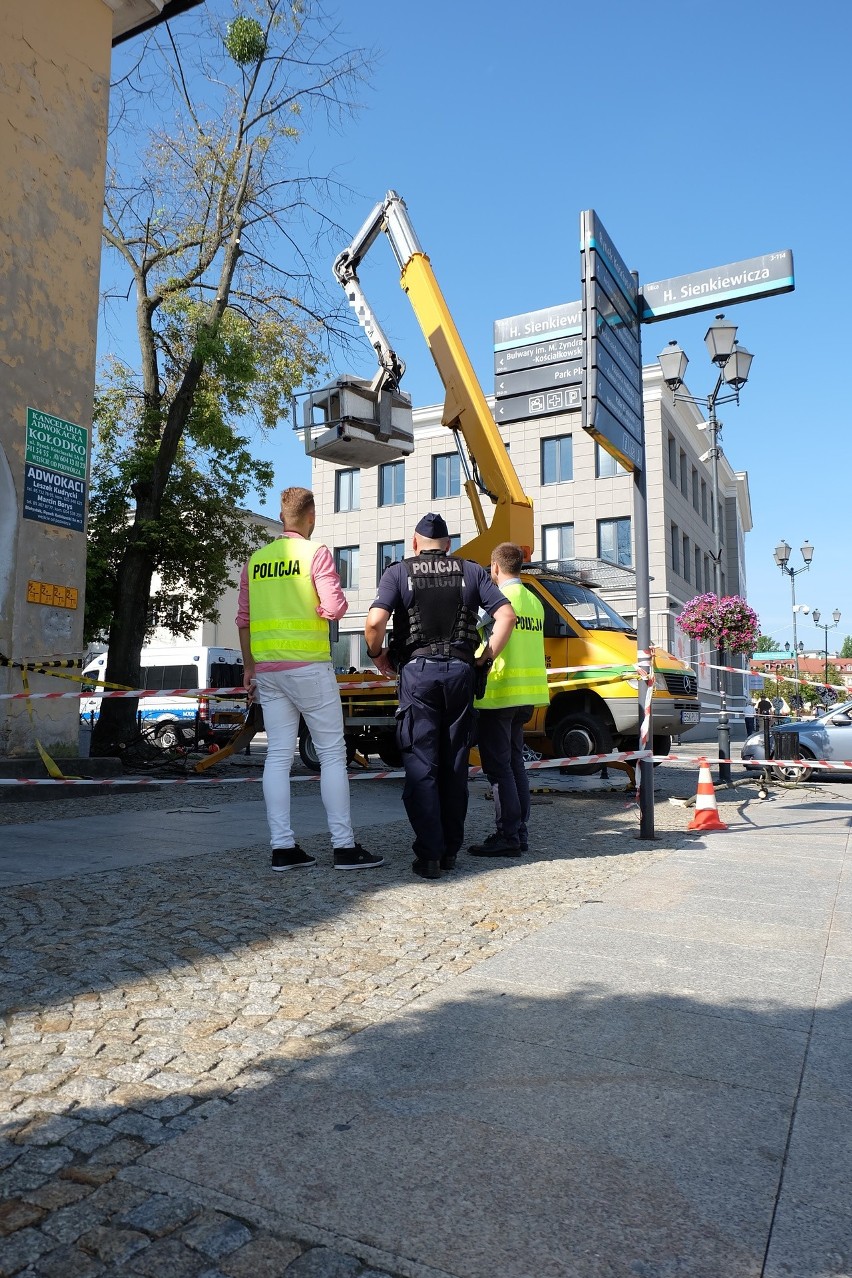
289	591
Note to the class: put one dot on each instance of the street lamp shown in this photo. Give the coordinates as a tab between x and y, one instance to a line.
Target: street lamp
826	626
782	559
734	363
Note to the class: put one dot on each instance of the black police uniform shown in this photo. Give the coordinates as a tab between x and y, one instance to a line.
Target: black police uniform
435	600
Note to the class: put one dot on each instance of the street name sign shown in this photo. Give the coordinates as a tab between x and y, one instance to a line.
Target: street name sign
720	286
612	359
538	326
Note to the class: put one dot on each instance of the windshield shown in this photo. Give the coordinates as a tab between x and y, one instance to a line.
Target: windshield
585	606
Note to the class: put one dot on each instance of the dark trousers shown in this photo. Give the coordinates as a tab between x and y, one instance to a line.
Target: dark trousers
501	749
434	730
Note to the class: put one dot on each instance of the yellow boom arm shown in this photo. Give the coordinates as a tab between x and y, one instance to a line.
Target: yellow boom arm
466	411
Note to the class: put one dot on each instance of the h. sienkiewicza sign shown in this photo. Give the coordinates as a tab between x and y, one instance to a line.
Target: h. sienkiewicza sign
719	286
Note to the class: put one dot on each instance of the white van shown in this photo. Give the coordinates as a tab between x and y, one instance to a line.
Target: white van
187	666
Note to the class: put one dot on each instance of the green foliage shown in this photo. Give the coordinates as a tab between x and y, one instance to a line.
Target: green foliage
765	643
213	228
846	650
199	534
245	41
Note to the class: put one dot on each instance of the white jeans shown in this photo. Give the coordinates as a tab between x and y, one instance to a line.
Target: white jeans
310	690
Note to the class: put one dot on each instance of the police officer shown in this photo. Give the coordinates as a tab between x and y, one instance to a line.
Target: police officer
517	681
435	598
289	590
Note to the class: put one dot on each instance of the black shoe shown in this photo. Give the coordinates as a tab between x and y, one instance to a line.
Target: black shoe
291	859
356	858
448	862
496	845
427	869
525	847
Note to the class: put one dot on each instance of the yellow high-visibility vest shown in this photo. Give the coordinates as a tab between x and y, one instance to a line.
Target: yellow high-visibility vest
518	676
283	620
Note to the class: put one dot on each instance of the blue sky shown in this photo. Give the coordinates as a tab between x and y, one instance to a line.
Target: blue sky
701	134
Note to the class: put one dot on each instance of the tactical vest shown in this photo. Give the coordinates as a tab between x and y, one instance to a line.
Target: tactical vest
518	677
283	620
439	623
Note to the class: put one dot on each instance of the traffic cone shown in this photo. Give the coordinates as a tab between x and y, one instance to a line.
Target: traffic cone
706	810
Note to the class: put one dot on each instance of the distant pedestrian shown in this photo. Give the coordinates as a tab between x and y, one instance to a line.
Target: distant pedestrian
517	681
289	591
434	598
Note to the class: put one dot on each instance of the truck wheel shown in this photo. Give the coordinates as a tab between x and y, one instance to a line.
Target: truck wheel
579	734
661	745
308	751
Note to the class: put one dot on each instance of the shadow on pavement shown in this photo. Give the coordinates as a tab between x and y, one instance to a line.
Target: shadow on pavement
490	1133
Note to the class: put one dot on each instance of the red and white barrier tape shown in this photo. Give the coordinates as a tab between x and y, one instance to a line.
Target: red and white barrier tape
836	765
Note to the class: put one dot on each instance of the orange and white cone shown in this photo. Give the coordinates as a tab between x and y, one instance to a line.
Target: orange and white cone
706	810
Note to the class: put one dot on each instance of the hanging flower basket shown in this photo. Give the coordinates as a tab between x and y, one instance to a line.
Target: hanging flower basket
727	623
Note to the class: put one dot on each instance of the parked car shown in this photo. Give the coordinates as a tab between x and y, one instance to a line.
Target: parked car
827	737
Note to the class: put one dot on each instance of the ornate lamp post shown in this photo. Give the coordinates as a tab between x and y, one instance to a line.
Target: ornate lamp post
826	626
782	559
734	363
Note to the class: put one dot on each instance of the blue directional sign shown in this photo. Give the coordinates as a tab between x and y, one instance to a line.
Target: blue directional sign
612	352
543	378
524	362
539	354
719	286
544	403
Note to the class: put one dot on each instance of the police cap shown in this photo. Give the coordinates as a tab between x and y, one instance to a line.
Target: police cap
432	526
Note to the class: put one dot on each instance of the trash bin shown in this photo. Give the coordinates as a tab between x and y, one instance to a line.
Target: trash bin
785	745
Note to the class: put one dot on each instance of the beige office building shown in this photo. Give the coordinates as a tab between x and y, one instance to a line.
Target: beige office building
54	84
583	504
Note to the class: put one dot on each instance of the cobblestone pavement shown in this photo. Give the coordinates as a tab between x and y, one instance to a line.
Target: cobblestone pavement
139	1003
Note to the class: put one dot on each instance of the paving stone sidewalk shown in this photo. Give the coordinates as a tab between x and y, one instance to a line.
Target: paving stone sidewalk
141	1002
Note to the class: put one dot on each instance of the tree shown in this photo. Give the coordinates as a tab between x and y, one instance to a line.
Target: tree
208	213
765	643
846	650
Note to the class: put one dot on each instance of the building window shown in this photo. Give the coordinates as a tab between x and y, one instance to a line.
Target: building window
704	501
606	465
557	541
708	576
698	569
721	525
685	557
392	484
346	561
389	552
684	487
347	490
695	488
455	543
614	541
672	459
446	479
675	549
557	459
